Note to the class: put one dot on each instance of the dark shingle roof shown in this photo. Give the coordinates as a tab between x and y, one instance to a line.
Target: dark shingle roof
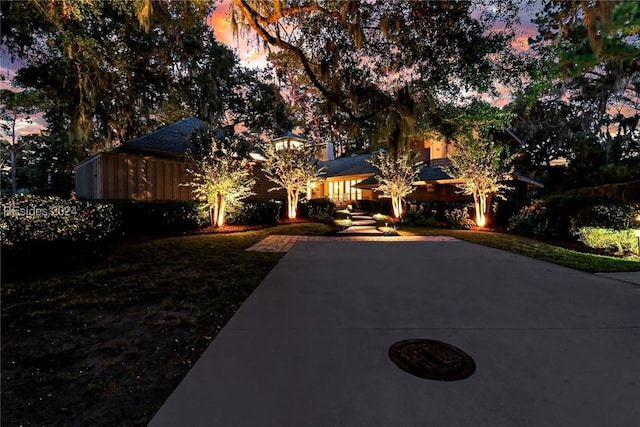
169	139
290	135
342	166
432	174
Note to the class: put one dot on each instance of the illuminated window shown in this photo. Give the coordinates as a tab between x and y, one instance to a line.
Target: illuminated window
343	191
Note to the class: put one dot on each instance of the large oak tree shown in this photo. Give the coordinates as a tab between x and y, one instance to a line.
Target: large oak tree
387	64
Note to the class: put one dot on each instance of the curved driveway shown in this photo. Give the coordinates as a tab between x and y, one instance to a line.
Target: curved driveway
553	346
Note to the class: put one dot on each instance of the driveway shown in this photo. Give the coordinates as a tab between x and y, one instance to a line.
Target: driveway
552	346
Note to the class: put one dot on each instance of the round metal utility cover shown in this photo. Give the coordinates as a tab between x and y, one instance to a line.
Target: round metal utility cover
431	359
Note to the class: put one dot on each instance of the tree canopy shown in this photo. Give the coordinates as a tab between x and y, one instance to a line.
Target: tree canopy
111	71
587	108
385	65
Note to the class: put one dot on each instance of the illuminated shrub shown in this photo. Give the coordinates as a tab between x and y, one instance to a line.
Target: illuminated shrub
459	219
558	216
617	241
30	220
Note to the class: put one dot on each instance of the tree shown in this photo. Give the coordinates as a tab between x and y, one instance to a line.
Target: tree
590	108
16	107
111	71
396	177
221	177
385	65
481	165
292	169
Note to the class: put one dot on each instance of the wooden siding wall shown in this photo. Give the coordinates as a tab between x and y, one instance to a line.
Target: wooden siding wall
87	179
117	176
262	186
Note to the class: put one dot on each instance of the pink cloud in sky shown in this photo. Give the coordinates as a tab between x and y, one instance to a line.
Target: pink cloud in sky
249	52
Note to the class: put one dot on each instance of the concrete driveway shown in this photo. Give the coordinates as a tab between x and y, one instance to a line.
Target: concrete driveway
552	346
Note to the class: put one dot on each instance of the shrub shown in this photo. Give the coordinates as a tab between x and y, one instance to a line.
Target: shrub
438	208
614	216
342	223
417	216
319	208
343	214
255	213
557	216
617	241
28	222
531	219
628	192
369	205
139	218
459	219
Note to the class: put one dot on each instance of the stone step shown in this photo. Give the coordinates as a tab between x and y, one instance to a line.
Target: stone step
362	222
359	217
361	230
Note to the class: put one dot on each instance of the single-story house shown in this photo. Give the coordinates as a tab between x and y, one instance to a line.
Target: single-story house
153	167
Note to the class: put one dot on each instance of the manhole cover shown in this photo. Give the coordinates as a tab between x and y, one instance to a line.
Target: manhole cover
431	359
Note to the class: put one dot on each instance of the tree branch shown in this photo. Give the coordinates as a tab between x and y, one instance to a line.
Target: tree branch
254	19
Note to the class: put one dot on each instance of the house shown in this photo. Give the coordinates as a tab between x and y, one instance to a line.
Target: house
149	168
349	179
153	167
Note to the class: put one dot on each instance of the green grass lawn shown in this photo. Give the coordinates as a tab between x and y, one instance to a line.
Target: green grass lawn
535	249
107	344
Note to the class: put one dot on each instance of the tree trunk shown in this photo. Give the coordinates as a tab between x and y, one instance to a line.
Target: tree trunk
396	203
222	206
14	180
292	203
481	209
477	200
14	165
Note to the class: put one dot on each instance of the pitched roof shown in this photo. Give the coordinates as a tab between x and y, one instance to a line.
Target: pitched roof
172	138
432	174
355	165
289	135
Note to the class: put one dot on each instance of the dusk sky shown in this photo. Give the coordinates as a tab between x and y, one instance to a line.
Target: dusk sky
250	53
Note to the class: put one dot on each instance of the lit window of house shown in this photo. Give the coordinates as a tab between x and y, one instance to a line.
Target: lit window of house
343	191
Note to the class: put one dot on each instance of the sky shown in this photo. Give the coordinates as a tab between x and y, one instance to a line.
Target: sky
250	54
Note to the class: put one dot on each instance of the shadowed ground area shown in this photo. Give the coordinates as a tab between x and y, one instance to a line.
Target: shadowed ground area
552	345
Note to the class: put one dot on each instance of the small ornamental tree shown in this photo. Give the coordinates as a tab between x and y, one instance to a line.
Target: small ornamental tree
481	165
292	169
397	175
221	177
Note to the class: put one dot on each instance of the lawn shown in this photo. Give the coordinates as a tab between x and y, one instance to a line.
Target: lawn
535	249
106	345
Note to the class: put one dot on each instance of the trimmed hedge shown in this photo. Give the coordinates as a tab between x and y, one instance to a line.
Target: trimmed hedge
626	192
558	216
255	213
28	221
144	218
